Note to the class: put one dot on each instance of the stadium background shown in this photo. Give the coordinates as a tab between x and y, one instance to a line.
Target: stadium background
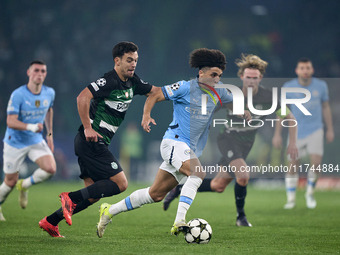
75	39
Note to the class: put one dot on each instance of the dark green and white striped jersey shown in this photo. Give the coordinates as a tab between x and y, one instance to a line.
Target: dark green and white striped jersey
111	99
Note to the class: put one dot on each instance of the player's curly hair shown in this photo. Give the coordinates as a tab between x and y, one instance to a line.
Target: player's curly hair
251	61
204	57
123	47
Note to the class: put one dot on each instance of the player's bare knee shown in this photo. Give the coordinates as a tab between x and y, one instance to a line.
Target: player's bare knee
157	197
219	186
11	183
242	181
123	185
200	175
50	169
11	180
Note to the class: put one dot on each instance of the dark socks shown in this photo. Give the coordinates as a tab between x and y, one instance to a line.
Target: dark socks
55	217
240	196
205	186
58	216
99	189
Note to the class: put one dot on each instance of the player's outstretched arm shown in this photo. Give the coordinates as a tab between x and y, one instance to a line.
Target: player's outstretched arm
155	95
14	123
49	128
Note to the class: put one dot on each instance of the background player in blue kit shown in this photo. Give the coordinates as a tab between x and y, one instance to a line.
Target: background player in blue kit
183	141
310	130
28	108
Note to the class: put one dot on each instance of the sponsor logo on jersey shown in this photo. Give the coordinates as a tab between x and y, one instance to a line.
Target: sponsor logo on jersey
94	85
118	106
169	91
37	103
127	94
144	82
101	82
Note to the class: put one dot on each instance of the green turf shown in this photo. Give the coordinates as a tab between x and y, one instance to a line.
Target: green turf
147	230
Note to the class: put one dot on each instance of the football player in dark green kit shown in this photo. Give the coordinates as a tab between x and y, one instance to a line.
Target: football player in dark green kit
101	106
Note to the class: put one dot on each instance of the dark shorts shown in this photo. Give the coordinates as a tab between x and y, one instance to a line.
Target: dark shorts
94	159
232	148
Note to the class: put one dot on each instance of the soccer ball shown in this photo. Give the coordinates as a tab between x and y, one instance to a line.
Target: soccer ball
199	231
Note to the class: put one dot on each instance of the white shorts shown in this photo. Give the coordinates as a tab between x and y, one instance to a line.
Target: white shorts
312	144
13	157
174	153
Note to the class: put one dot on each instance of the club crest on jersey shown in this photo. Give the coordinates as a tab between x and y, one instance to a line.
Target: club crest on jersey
101	82
175	86
127	94
37	103
45	103
114	165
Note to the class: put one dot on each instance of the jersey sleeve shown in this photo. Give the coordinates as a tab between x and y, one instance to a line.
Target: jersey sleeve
102	87
14	103
226	96
142	87
175	90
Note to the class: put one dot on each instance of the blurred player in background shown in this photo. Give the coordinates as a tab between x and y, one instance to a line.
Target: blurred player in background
310	130
102	106
236	141
183	141
29	107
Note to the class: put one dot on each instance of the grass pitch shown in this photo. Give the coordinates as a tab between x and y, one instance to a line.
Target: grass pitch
147	230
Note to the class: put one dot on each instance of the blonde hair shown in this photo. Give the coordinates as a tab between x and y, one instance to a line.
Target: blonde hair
250	61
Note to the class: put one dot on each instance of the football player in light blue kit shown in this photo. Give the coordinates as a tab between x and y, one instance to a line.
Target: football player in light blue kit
183	141
28	108
310	130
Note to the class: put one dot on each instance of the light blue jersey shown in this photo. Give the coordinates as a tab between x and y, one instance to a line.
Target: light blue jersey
30	108
307	124
188	124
